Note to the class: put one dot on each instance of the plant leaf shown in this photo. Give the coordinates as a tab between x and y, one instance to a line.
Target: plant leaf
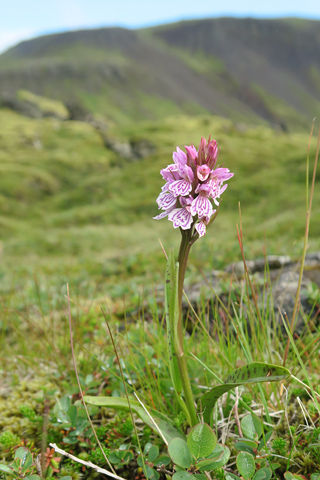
315	476
264	440
179	452
27	462
245	447
7	469
251	427
251	373
153	453
182	476
165	425
263	474
201	440
246	465
216	459
21	453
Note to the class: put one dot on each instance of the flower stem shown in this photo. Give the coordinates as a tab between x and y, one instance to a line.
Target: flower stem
185	379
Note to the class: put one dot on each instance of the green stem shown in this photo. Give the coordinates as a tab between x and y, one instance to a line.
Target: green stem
185	379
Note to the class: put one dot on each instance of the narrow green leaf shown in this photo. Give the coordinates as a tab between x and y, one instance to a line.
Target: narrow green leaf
246	465
264	440
263	474
164	424
180	453
36	477
201	440
72	414
251	373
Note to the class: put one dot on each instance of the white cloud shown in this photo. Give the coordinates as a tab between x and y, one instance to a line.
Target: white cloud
8	38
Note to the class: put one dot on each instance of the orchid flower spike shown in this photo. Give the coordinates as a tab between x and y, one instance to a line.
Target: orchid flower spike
193	185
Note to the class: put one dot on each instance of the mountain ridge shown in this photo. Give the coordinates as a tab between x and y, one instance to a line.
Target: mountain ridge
243	69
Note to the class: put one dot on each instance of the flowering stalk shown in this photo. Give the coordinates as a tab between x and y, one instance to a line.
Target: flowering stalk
192	184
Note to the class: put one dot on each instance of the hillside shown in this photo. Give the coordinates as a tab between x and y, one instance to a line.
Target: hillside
242	69
73	209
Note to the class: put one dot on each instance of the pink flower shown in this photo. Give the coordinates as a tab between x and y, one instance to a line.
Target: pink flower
192	184
181	217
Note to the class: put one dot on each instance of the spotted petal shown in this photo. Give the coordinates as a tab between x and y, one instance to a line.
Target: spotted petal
201	206
180	187
181	217
201	229
166	200
170	173
161	215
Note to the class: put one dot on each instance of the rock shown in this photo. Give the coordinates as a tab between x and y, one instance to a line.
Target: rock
133	150
274	262
284	293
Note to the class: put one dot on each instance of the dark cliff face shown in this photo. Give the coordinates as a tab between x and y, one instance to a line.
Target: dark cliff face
239	68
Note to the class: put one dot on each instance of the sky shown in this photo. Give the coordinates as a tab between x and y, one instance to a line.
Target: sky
24	19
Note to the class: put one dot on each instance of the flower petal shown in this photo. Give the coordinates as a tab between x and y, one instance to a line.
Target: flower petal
161	215
203	172
180	187
179	157
191	152
201	229
201	206
185	201
181	217
166	200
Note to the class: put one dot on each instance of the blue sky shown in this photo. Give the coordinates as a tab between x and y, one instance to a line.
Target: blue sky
22	19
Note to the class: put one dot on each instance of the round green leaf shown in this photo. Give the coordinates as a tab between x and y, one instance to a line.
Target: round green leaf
164	460
182	476
180	453
244	446
216	459
153	453
263	474
201	440
246	465
248	427
21	453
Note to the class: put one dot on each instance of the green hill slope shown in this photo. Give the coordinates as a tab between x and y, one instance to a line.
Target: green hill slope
72	207
256	70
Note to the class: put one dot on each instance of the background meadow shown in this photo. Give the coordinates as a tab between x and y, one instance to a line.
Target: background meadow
81	149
